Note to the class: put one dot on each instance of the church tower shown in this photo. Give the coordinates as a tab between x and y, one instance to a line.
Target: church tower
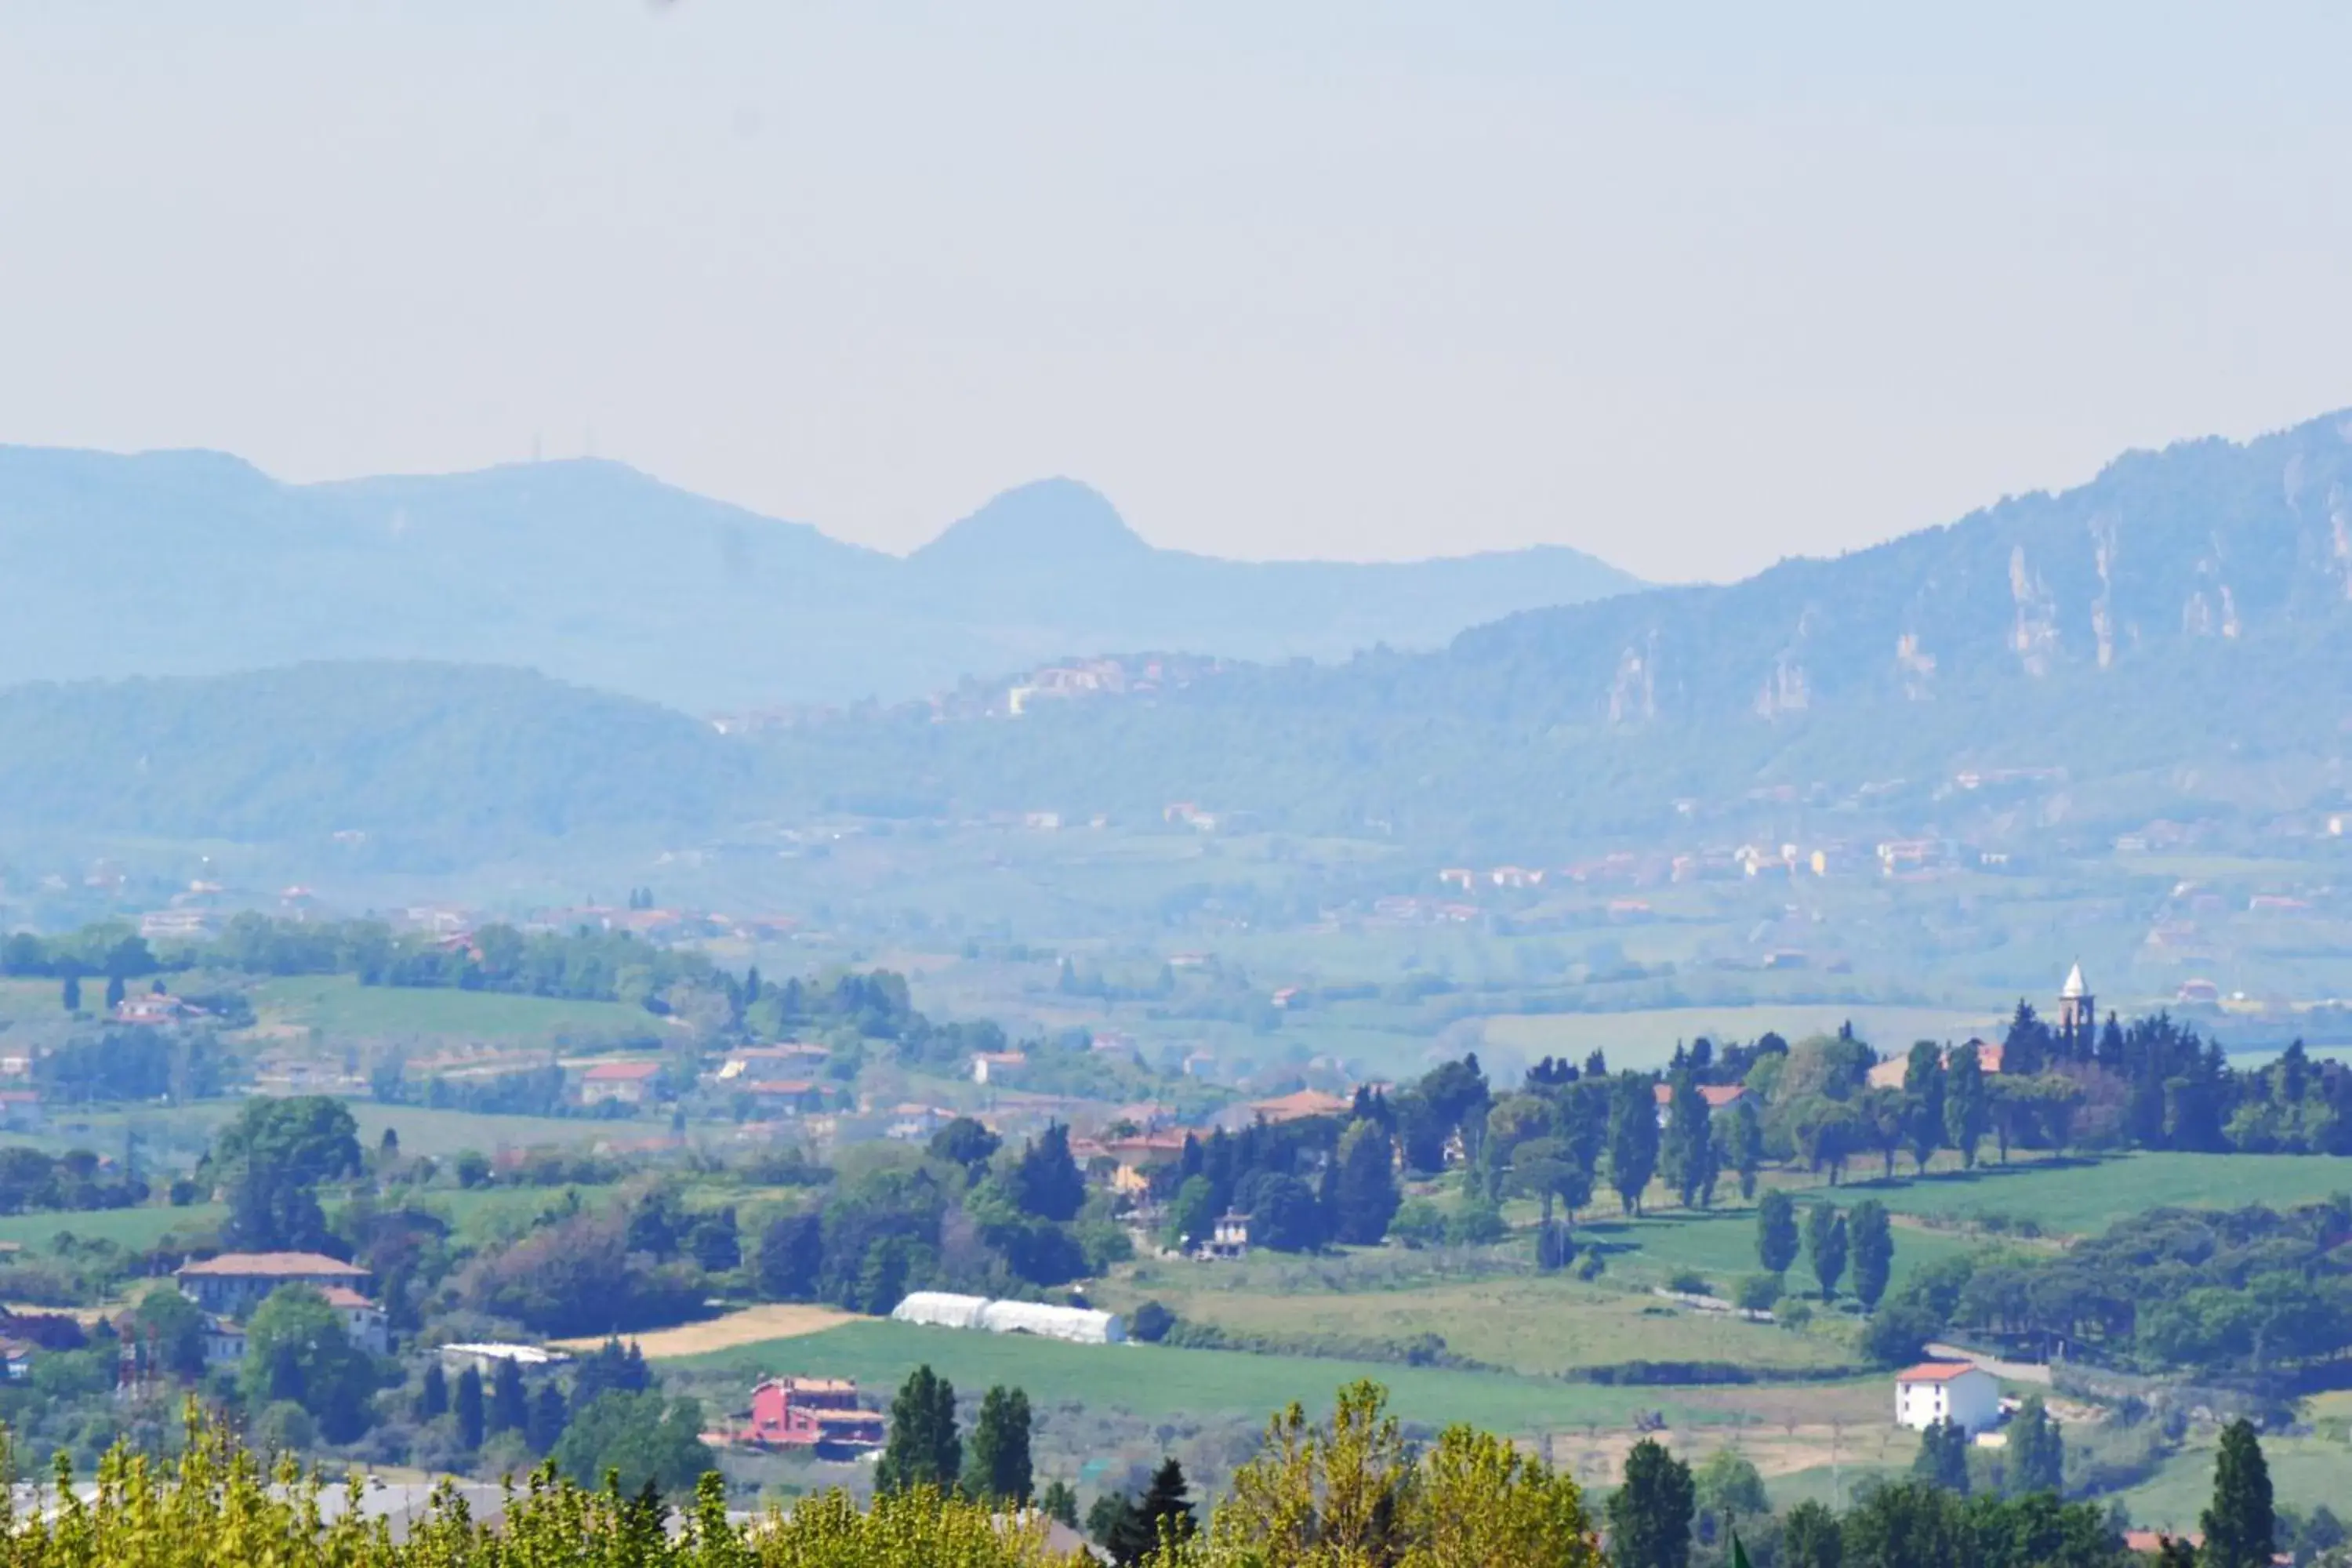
2077	1008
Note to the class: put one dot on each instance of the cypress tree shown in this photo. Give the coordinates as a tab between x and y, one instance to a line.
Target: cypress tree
2037	1455
1873	1251
996	1465
1633	1139
1364	1187
72	997
1943	1458
1743	1144
1776	1232
433	1400
1825	1246
2240	1529
469	1407
1964	1104
547	1417
509	1408
1689	1142
1922	1101
923	1449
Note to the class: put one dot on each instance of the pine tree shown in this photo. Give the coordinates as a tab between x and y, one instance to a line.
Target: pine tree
433	1400
2037	1454
1809	1537
468	1405
1649	1515
1741	1133
1059	1502
1964	1104
1873	1251
1633	1139
996	1465
510	1408
1776	1232
2240	1529
1133	1535
923	1449
1825	1246
1046	1182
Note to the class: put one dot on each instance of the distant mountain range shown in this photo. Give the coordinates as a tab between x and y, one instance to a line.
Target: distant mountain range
2177	631
176	564
2186	615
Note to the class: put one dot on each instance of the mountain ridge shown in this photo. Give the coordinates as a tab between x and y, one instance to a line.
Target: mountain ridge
600	574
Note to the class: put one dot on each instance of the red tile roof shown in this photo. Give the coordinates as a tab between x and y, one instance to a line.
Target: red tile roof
1305	1103
1935	1372
1717	1095
621	1072
272	1266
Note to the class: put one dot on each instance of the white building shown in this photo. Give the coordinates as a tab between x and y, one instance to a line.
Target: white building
1956	1391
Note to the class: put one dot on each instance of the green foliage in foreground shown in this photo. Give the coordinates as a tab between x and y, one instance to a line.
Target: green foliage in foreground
1348	1492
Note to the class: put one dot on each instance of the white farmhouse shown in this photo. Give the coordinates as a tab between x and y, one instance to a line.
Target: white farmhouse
1956	1391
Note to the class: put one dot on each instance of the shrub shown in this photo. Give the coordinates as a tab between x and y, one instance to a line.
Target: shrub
1690	1282
1590	1265
1760	1292
1151	1322
1795	1315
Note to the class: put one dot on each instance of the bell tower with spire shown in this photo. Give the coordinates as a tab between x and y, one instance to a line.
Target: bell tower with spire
2077	1008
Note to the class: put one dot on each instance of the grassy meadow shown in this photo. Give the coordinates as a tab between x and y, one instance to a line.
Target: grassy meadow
1154	1380
341	1007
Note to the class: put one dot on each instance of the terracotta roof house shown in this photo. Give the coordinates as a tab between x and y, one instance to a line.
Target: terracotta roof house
1300	1106
236	1282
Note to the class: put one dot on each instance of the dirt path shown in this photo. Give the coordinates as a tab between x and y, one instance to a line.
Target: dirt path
782	1321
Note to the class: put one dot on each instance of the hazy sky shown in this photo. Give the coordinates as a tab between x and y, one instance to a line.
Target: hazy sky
1692	287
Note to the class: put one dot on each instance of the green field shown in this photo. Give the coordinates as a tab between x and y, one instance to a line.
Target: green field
340	1006
1648	1039
2305	1473
135	1228
2081	1197
1721	1246
444	1132
1151	1380
1540	1325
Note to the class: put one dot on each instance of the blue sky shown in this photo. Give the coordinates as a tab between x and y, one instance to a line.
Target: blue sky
1690	287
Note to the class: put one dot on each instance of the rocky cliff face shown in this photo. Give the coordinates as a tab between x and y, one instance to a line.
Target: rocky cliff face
2204	544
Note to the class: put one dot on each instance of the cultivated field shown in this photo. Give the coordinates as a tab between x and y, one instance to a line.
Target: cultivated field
752	1326
1540	1325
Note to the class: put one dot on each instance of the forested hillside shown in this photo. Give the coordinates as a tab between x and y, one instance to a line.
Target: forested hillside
412	759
